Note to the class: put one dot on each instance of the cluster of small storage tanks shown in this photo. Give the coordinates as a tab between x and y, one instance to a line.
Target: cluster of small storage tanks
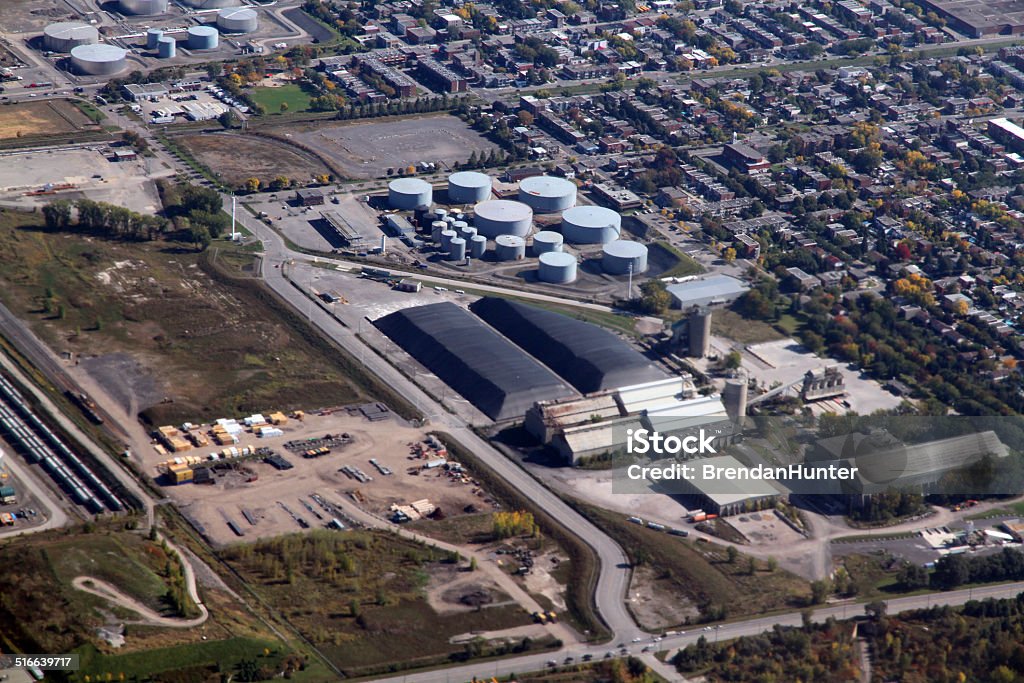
40	445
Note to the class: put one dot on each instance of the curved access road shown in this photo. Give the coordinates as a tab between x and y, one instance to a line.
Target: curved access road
110	593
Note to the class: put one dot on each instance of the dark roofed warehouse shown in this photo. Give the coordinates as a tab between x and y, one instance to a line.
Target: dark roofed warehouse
587	356
489	371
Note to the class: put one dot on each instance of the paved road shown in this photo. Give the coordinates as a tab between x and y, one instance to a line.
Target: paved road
53	515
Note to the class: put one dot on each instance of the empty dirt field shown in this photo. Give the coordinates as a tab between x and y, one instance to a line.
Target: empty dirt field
388	441
33	119
236	158
368	149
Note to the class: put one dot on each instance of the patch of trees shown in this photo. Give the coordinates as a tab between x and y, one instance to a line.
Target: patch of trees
196	212
889	505
104	219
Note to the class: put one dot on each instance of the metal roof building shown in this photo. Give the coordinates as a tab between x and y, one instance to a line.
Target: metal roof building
493	374
716	289
587	356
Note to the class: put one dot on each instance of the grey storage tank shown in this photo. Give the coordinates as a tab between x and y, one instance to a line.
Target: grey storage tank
546	241
591	225
212	4
203	38
734	397
238	20
153	37
167	47
468	187
98	60
622	255
67	35
435	231
477	246
699	328
502	217
143	8
441	214
557	268
457	249
467	233
409	193
547	194
446	239
509	247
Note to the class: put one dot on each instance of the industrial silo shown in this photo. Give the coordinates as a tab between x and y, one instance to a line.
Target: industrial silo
203	38
699	327
502	217
591	225
98	60
557	268
212	4
441	214
153	37
467	233
167	47
623	256
546	241
477	246
457	249
143	8
509	247
435	231
459	226
408	193
238	20
468	187
446	239
734	397
547	194
67	35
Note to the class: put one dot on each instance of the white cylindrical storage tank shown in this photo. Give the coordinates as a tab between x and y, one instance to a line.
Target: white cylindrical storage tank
409	193
547	194
446	239
557	268
509	247
621	254
591	225
167	47
546	241
468	187
502	217
143	7
67	35
98	60
153	37
441	214
435	231
467	233
457	249
459	225
212	4
238	20
477	246
203	38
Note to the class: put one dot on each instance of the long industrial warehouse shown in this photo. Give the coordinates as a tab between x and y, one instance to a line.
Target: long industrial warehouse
587	356
489	371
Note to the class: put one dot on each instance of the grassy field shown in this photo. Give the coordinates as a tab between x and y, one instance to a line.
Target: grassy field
235	158
32	119
701	572
727	323
272	98
684	265
356	595
211	345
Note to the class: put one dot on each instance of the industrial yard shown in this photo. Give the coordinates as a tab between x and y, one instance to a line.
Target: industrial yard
382	467
236	158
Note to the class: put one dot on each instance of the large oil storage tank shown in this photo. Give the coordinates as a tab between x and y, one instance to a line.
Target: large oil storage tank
238	20
212	4
408	193
546	241
153	37
98	60
457	249
167	47
203	38
142	8
557	268
67	35
547	194
509	247
468	187
477	246
502	217
620	255
591	225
